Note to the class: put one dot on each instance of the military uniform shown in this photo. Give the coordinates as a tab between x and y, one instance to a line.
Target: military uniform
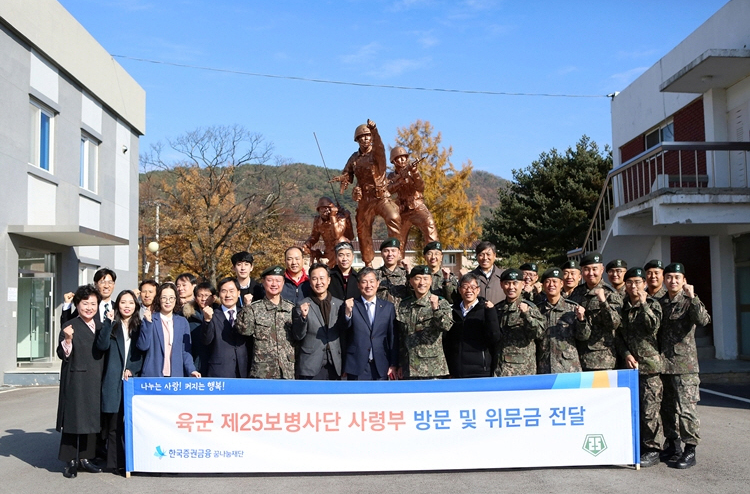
598	352
637	336
270	326
445	288
421	331
679	356
519	330
556	350
393	287
660	293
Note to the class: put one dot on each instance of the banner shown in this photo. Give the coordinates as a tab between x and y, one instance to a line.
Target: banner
247	425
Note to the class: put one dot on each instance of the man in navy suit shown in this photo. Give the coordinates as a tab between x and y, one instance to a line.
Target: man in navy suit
227	349
372	352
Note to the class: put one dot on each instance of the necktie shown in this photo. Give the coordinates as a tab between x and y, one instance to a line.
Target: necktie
371	311
231	317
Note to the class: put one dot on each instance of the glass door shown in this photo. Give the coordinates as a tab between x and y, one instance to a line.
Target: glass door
35	317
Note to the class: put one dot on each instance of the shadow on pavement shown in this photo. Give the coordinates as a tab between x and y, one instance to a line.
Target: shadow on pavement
38	449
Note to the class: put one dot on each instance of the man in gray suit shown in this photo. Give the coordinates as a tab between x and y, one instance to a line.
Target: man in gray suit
315	322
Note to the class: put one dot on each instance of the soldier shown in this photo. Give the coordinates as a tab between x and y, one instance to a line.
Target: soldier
269	322
655	278
421	320
369	166
332	223
571	277
520	325
565	322
682	312
444	282
602	304
487	273
531	286
638	346
406	181
392	277
615	272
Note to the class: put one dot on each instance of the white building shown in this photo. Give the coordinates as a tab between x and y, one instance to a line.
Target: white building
70	122
679	190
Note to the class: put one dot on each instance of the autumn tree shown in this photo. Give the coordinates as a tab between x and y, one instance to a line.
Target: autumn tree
207	211
445	185
546	209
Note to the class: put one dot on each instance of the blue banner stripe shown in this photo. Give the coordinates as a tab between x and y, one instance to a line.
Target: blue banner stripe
567	381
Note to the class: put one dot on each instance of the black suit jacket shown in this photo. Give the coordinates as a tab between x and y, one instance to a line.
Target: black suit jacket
341	291
380	336
227	349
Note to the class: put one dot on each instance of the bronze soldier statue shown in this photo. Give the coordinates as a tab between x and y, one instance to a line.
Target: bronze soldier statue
334	224
407	183
369	166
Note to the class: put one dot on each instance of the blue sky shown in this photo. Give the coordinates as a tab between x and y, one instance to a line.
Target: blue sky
561	47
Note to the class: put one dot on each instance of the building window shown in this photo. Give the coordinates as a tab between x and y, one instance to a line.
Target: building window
42	130
449	260
664	133
89	162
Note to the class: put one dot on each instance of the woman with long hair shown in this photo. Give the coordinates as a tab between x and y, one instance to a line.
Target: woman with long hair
118	338
165	337
79	403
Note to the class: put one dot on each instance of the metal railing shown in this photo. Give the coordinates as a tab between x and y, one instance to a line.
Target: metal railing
690	166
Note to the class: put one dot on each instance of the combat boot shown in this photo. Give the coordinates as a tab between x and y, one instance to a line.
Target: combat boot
687	459
671	452
649	459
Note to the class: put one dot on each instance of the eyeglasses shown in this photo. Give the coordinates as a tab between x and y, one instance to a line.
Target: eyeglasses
106	283
469	287
168	299
633	282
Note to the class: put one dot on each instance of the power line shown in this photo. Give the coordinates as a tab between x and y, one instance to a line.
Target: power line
357	84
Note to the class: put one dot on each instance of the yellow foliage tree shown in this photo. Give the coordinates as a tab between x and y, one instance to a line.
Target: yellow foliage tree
444	186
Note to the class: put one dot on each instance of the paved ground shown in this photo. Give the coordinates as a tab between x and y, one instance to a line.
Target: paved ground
29	443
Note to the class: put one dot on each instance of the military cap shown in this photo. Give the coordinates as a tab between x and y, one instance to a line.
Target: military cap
343	245
529	266
591	258
273	271
390	242
420	269
572	264
635	273
552	272
511	275
432	246
675	267
653	263
243	256
616	263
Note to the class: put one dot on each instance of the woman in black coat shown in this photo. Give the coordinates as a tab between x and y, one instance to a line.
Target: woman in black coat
123	360
79	404
471	342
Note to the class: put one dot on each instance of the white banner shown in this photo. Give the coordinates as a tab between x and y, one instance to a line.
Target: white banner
244	425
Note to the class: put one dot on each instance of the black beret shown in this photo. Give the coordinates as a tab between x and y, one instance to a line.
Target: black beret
390	242
432	246
552	272
529	266
675	267
635	273
343	245
273	271
511	275
591	258
420	269
572	264
653	263
616	263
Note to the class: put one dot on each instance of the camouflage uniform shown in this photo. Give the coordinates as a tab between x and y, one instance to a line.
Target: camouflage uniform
661	293
621	292
637	336
598	352
393	287
445	288
421	336
271	328
556	351
680	360
519	330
